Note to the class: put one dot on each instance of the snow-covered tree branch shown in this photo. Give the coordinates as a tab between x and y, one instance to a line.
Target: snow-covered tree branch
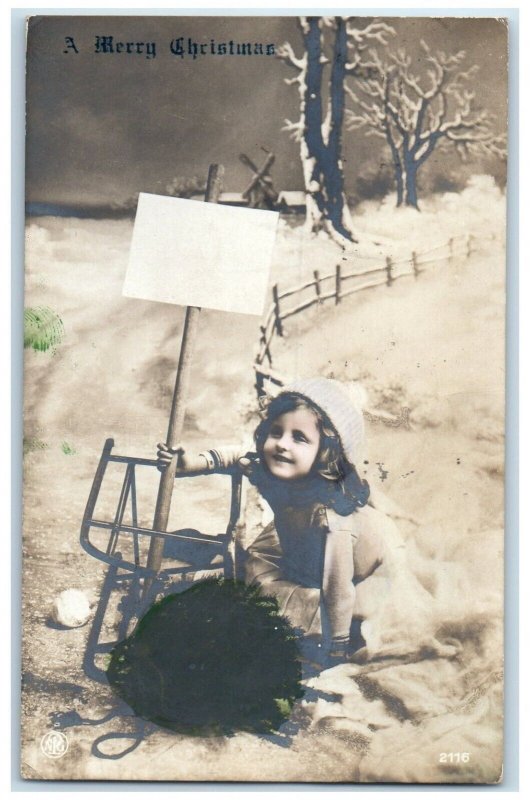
415	113
333	49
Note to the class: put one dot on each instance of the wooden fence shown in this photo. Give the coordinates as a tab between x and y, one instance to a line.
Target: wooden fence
337	285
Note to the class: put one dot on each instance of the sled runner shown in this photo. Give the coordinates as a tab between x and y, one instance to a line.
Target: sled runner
124	545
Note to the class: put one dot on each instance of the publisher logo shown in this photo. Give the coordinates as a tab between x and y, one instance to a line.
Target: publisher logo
54	744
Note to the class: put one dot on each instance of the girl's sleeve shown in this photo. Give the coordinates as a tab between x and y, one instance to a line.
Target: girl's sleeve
227	456
337	584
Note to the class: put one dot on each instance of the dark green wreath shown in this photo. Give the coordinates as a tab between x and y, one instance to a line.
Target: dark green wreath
212	660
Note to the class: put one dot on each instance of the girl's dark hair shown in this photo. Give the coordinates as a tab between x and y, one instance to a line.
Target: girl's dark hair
330	463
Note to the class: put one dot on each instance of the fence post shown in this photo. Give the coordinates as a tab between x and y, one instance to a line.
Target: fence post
414	260
317	283
388	271
451	241
337	284
266	349
469	247
277	318
259	383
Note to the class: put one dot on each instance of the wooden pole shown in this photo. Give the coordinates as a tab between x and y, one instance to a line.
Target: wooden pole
277	318
178	406
337	284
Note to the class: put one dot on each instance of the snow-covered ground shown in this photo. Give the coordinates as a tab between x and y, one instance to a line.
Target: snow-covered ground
434	346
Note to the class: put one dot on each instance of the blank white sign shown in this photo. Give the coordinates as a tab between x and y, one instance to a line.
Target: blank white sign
200	254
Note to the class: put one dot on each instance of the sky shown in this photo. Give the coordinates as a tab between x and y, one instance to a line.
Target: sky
103	126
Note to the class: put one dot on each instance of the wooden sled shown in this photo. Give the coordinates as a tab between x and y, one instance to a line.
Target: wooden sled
123	546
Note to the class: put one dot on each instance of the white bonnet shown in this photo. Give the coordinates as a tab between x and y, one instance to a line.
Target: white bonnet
343	404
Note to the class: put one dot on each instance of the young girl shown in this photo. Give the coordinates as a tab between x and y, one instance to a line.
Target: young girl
325	539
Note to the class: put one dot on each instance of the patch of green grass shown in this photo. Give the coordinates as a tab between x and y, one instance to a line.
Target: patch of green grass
68	449
43	328
32	443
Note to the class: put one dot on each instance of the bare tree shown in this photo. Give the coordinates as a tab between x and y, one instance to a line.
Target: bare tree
319	128
416	114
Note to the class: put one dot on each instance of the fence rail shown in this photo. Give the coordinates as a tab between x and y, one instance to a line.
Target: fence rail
386	273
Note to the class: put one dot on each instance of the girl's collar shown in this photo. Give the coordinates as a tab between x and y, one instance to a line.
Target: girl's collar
334	494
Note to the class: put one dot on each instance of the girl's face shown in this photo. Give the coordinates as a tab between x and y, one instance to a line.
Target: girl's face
292	444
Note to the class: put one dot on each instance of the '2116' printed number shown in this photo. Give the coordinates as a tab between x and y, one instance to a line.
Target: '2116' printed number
454	758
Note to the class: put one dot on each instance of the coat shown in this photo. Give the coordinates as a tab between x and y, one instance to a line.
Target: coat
312	558
315	560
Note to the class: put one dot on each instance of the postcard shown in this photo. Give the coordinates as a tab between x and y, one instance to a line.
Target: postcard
264	404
